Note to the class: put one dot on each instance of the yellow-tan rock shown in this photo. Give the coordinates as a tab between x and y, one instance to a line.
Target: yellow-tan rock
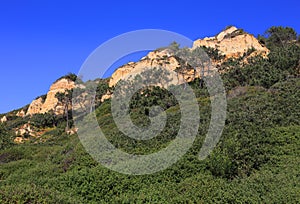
3	119
21	113
35	106
25	130
51	102
105	97
233	43
153	59
20	140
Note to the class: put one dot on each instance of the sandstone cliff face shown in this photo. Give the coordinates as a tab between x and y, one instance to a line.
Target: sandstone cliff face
51	102
153	59
35	106
233	42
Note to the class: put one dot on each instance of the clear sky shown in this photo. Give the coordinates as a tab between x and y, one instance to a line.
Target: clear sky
42	40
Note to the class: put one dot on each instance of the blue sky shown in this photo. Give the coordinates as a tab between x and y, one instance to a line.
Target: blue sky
43	40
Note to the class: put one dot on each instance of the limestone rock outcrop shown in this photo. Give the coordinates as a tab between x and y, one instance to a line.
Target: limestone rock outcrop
25	130
153	59
35	106
233	43
105	97
51	102
21	113
3	119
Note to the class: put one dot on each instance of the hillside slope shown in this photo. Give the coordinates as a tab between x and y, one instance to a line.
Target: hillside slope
257	159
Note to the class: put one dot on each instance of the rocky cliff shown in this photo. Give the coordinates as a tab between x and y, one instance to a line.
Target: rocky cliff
41	105
232	43
153	59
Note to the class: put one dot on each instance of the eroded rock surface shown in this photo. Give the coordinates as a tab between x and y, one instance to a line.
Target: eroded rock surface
51	102
232	43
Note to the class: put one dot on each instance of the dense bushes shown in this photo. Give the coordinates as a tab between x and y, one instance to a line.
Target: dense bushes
69	76
264	72
5	137
282	62
256	160
44	120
